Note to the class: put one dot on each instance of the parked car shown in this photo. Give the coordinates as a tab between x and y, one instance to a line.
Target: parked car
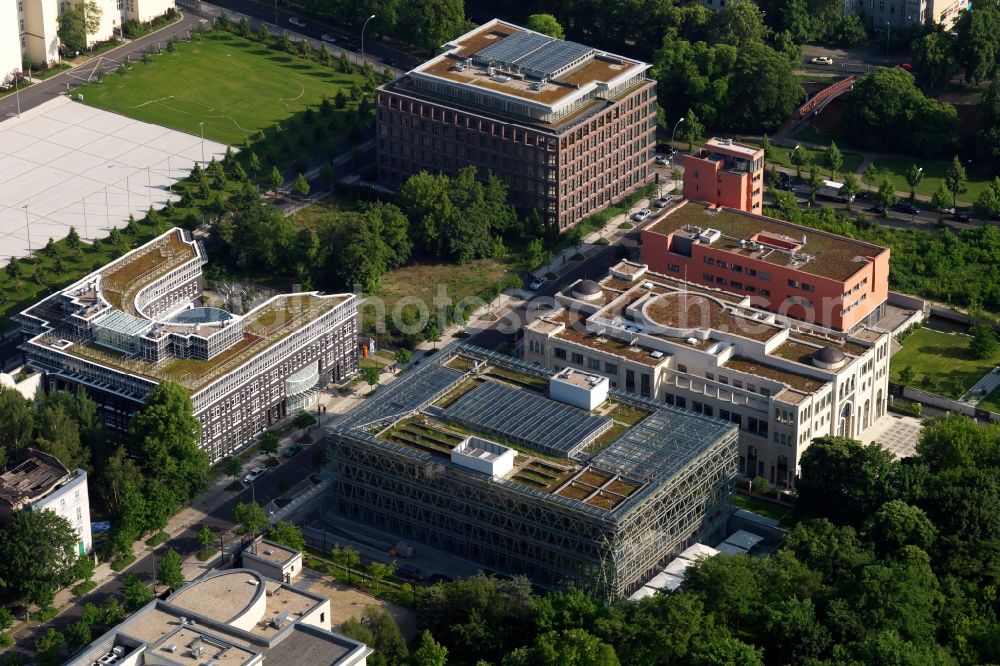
961	216
905	65
327	37
293	450
661	160
254	474
537	283
391	62
295	20
665	148
907	207
822	60
641	215
878	210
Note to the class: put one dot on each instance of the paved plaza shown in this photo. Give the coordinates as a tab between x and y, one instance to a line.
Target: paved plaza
895	432
66	164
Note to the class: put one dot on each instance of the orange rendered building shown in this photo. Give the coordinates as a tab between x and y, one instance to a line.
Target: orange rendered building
799	272
727	174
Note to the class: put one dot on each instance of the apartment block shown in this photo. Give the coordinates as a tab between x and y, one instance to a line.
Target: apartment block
725	173
780	381
567	127
525	471
798	272
144	319
41	483
233	617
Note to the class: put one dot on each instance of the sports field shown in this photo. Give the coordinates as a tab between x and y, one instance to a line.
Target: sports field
234	86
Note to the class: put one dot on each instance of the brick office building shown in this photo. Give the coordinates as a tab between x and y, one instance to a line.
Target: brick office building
727	174
795	271
567	127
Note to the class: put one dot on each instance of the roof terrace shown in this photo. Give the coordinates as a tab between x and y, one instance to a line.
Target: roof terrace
831	256
121	282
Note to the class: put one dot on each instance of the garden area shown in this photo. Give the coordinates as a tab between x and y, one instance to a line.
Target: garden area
234	86
940	363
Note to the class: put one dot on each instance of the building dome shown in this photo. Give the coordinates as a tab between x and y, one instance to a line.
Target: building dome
587	290
829	358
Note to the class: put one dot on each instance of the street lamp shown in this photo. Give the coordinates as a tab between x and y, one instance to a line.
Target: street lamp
363	38
672	137
27	228
201	124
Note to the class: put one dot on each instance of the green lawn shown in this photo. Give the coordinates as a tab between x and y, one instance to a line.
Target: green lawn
236	87
782	156
895	169
763	507
941	362
810	135
991	402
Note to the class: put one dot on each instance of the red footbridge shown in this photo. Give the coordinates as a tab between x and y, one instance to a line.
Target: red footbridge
817	102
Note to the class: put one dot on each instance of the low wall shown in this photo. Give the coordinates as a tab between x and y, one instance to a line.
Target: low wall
952	315
907	301
941	402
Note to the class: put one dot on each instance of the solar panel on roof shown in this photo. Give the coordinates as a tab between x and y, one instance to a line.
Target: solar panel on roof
528	418
553	56
518	45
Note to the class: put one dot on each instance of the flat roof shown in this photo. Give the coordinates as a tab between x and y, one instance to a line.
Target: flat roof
729	145
266	325
646	441
220	597
270	551
123	279
831	256
522	58
31	479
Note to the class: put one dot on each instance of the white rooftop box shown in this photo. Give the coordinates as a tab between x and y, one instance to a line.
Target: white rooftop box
484	456
579	389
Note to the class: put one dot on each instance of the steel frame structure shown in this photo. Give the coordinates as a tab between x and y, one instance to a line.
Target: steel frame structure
513	529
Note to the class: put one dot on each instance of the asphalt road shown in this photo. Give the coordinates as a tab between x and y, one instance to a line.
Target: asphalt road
271	486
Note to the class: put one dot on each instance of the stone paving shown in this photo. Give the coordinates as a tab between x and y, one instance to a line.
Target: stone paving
895	432
66	164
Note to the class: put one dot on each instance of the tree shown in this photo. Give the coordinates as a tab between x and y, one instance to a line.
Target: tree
431	23
269	442
987	204
371	377
77	22
301	186
346	557
798	157
403	356
206	537
870	174
287	534
691	128
255	165
834	159
387	640
17	423
934	61
303	420
984	342
887	196
432	333
535	254
940	199
815	185
166	434
728	652
977	41
250	517
547	24
897	524
955	180
137	594
429	652
14	271
276	179
37	553
379	571
59	435
906	375
741	23
49	648
844	480
231	466
914	175
170	571
850	189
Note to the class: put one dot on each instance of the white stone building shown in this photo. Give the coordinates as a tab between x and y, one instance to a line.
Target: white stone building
782	381
40	482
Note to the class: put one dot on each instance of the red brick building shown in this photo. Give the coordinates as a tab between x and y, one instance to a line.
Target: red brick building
568	128
727	174
795	271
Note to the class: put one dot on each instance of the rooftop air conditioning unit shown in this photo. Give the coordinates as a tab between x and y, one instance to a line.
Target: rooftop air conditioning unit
656	354
118	651
647	285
